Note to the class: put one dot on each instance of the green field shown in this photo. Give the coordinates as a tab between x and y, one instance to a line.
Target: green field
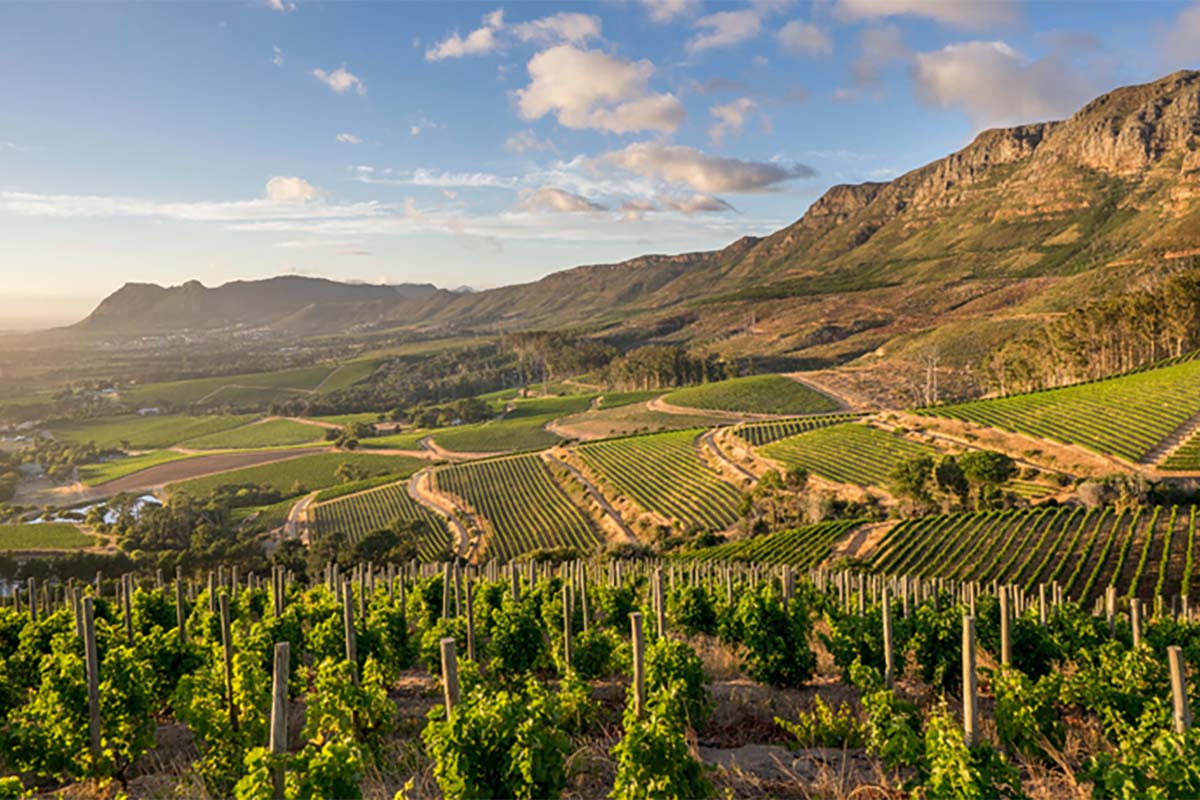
663	473
758	434
146	433
266	518
47	536
619	399
1186	458
409	440
369	417
522	428
527	510
179	393
1126	416
360	514
347	375
105	471
757	394
273	433
1144	553
846	453
801	547
297	476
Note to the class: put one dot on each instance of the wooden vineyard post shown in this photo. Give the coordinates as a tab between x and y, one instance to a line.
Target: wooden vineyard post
180	615
227	658
1042	604
445	590
1135	620
212	592
788	587
1179	699
449	674
348	626
970	711
279	698
889	655
33	605
639	664
470	620
515	574
1110	608
93	679
1005	633
660	616
127	602
567	609
583	598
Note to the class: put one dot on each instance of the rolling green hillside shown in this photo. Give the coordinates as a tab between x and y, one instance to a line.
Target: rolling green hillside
757	394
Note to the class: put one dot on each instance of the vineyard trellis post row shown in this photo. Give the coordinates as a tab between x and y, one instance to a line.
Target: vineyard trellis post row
1135	620
970	709
889	672
1005	637
449	673
227	655
639	664
93	677
1181	711
279	695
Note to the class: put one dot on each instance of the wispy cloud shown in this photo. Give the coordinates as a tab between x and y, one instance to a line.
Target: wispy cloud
341	80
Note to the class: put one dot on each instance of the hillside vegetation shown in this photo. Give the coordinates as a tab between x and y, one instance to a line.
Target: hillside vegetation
757	394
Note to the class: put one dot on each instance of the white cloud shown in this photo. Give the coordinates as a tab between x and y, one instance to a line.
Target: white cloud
348	138
282	6
11	146
700	171
478	42
549	198
526	141
730	118
662	11
276	56
340	80
879	47
565	26
591	89
696	204
289	189
725	29
997	85
364	173
1179	44
970	14
804	38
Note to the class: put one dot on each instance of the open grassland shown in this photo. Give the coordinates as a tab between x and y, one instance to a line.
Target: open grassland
522	428
105	471
757	434
619	399
1142	552
409	440
757	394
300	475
525	508
846	453
272	433
664	473
801	547
180	393
1127	416
45	536
1186	458
360	514
146	433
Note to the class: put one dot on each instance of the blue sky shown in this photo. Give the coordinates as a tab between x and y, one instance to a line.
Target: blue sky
491	143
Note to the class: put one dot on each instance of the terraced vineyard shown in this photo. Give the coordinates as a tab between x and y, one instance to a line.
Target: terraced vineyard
801	547
270	433
1144	553
525	508
1186	458
757	434
846	453
1125	416
360	514
664	473
757	394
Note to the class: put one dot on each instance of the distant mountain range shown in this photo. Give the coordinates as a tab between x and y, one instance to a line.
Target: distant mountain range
960	254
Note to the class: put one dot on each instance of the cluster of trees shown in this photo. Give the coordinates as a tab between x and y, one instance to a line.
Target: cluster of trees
1105	338
551	355
954	483
787	500
395	544
664	366
60	458
465	410
10	475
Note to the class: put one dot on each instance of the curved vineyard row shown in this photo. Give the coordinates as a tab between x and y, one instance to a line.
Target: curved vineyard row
1146	552
1186	458
801	547
663	472
1125	416
527	510
360	514
847	453
757	434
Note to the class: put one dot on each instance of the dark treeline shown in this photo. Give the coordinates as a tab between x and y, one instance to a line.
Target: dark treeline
1105	338
665	366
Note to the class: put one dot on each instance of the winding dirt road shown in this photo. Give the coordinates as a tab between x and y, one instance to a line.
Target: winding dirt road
595	493
420	490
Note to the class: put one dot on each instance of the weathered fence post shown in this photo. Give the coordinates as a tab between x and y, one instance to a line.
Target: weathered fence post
227	657
660	615
970	714
180	615
93	677
1179	698
1135	620
639	664
1005	634
567	609
470	620
449	674
33	605
348	625
889	672
279	699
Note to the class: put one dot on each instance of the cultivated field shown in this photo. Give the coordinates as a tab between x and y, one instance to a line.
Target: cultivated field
757	434
757	394
146	432
45	536
801	547
522	428
301	475
105	471
271	433
360	514
846	453
664	473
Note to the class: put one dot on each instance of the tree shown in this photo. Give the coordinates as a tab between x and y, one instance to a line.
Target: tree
950	479
910	479
986	467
